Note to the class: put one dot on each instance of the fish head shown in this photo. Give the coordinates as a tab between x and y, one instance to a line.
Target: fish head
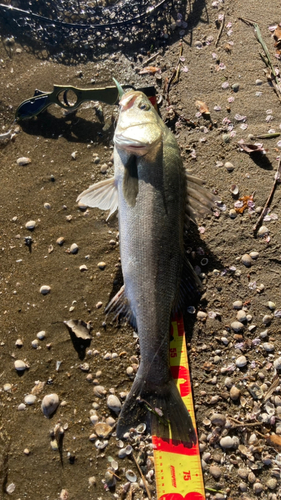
138	128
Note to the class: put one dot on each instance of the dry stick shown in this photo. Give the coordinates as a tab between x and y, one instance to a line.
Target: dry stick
175	76
220	30
143	478
267	60
246	424
268	201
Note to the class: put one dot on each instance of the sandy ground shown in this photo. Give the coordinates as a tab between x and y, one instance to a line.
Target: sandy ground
45	191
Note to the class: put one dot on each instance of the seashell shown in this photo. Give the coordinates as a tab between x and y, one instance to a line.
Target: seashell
73	248
45	289
113	403
246	259
234	189
30	399
99	391
49	404
30	225
102	429
131	476
237	326
255	390
102	265
110	479
23	160
141	428
263	231
20	365
41	335
241	361
100	445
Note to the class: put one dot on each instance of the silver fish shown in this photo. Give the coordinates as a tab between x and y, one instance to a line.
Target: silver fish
151	189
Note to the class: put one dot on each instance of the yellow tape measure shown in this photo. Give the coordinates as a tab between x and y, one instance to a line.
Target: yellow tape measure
177	468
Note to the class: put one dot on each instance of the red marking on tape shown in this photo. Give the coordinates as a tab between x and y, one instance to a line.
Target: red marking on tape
168	446
179	372
192	495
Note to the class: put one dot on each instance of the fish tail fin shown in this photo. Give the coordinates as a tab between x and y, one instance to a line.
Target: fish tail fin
161	408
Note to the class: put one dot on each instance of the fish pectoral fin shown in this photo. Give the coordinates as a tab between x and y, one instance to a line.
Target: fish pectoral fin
120	306
199	201
103	195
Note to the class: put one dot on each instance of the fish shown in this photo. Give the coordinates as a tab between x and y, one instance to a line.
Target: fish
155	198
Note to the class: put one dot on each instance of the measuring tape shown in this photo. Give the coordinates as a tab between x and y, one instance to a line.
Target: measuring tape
178	469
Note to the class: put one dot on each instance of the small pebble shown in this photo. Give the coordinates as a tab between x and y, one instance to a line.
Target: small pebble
241	361
23	160
227	442
254	255
246	259
113	403
271	305
237	304
30	225
20	365
237	326
30	399
102	265
35	343
271	483
19	343
235	87
232	213
268	346
215	471
277	364
218	419
50	404
257	488
26	451
45	289
234	393
202	316
241	316
47	206
266	319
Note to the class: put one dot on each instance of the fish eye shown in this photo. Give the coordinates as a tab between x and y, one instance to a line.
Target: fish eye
145	106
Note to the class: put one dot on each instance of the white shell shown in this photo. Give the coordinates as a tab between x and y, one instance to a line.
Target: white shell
45	289
50	404
20	365
30	225
113	403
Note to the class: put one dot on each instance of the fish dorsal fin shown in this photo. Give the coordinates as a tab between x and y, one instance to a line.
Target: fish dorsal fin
101	195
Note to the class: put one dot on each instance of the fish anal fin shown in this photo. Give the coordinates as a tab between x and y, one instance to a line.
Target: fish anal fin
190	287
120	306
101	195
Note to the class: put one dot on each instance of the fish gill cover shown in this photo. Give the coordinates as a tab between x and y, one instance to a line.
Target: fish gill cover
78	29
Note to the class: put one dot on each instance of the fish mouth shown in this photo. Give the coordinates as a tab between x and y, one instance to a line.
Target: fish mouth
130	144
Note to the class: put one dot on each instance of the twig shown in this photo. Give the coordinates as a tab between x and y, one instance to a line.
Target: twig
267	136
245	424
145	63
274	384
175	76
143	478
220	30
213	490
268	201
272	76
